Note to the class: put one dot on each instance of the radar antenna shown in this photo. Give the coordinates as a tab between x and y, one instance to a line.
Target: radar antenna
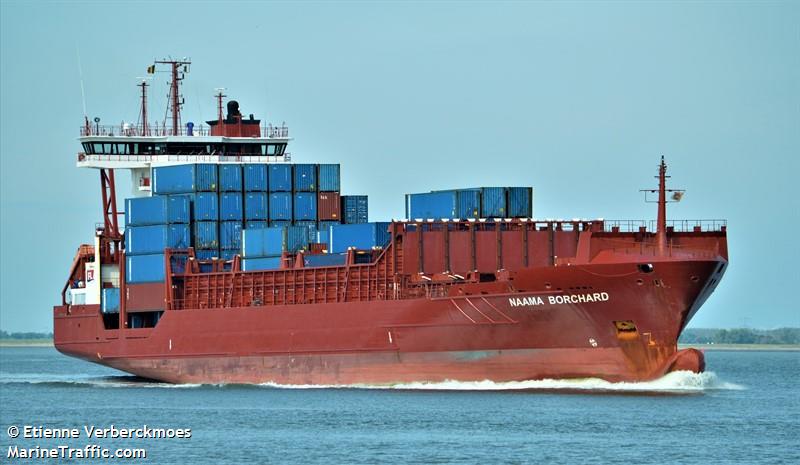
179	68
661	220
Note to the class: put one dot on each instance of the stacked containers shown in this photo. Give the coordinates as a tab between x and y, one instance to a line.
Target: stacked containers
224	199
153	224
231	210
262	248
200	184
484	202
256	196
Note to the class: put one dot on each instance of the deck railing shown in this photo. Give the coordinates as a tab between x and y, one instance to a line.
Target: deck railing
676	225
268	131
88	158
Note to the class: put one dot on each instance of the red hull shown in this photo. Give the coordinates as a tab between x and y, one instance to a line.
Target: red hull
495	336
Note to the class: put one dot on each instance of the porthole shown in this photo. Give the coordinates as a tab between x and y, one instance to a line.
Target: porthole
646	267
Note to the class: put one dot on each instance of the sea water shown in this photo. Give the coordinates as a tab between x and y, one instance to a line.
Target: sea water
745	409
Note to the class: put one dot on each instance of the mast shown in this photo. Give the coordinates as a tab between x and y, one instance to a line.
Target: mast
661	228
219	97
143	85
175	99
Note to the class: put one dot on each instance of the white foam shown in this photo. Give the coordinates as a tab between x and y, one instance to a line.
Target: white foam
675	382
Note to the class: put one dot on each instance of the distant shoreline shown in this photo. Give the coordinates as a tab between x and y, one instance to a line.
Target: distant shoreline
741	347
26	343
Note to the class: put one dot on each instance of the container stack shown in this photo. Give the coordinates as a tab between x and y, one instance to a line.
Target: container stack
153	224
480	202
297	202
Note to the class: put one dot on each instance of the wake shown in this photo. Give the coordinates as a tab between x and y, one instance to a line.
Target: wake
675	382
679	382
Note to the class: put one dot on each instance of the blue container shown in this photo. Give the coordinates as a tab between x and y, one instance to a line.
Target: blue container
144	268
325	259
256	224
305	178
311	226
436	205
297	238
493	202
230	178
280	206
229	254
305	206
263	242
520	202
255	178
111	300
261	263
279	223
230	235
468	203
329	180
360	236
230	206
323	231
179	208
184	179
206	178
206	235
206	254
355	209
150	268
144	211
323	235
255	206
206	206
280	177
143	240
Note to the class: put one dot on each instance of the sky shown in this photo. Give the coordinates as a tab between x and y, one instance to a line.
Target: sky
578	100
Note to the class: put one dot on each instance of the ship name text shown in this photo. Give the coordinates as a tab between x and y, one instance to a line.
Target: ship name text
535	301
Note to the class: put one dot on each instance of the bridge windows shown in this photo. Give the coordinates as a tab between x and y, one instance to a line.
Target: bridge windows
182	148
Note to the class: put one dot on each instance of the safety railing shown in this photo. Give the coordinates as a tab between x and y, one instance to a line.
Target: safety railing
269	131
87	158
676	225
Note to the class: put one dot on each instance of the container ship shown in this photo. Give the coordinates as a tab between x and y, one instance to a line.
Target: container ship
236	265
